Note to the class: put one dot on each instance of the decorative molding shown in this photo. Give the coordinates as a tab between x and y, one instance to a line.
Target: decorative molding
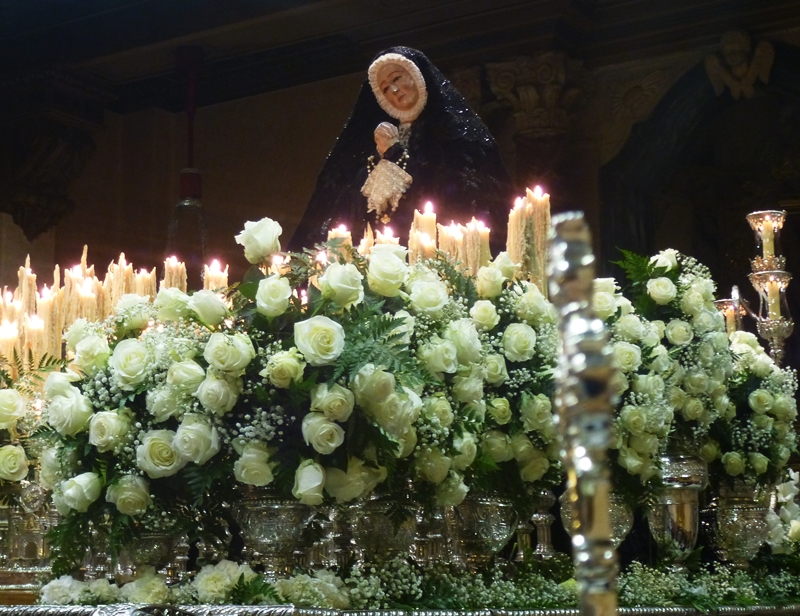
542	92
738	66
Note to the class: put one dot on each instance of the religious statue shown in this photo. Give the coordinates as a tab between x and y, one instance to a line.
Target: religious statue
411	138
739	67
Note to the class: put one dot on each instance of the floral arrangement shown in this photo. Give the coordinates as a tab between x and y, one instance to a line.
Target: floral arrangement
323	376
676	294
643	417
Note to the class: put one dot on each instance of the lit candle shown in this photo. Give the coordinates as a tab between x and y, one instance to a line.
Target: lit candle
34	339
365	245
387	237
87	300
425	222
768	237
730	319
214	278
341	232
773	299
9	335
174	274
426	246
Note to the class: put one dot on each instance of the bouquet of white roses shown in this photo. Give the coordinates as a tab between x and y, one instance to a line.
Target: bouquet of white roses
675	294
643	418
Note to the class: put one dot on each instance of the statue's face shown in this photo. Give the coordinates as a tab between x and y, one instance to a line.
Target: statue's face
398	86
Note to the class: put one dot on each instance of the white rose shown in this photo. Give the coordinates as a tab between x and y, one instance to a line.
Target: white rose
633	419
439	356
484	315
784	408
429	297
171	304
229	353
406	327
695	382
534	469
69	414
650	385
186	376
626	357
60	383
466	447
131	364
419	273
604	285
147	588
219	395
523	448
759	462
164	402
260	239
130	494
496	371
662	290
439	410
81	491
406	442
733	463
536	412
745	339
91	353
209	307
76	332
645	444
667	259
497	445
12	408
506	266
320	340
651	335
385	273
679	332
50	473
707	321
463	334
309	480
372	386
399	251
709	451
624	305
692	409
196	440
705	287
253	466
761	401
533	308
519	342
432	465
272	296
475	410
107	429
397	412
629	328
13	463
500	410
452	491
489	281
468	383
135	310
157	455
659	359
335	402
692	302
349	485
631	460
285	368
322	434
604	305
342	283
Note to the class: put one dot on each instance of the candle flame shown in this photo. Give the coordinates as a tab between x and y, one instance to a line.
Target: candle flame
342	229
322	257
518	203
173	260
387	231
429	207
35	322
215	266
8	297
425	238
8	331
735	293
538	192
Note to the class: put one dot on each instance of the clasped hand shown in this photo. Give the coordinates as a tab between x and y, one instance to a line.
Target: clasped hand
386	135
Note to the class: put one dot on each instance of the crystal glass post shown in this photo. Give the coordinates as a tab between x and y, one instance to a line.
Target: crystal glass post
583	402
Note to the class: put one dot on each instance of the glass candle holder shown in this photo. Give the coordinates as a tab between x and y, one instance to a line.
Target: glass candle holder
771	287
767	225
733	311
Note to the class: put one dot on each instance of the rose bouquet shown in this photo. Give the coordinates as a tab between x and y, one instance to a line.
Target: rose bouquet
754	440
643	417
131	424
675	293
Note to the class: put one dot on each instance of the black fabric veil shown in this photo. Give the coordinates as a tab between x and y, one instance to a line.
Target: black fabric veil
454	162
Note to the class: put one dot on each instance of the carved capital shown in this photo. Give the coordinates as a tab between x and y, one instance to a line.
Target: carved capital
738	66
542	92
468	82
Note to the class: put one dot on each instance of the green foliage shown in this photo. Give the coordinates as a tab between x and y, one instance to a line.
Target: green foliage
462	285
253	592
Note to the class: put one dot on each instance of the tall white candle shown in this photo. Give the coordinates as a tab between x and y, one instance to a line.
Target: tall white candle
773	300
768	238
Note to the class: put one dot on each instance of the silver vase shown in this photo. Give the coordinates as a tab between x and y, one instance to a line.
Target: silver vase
619	513
674	520
432	540
384	527
481	526
540	521
272	528
167	552
741	526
